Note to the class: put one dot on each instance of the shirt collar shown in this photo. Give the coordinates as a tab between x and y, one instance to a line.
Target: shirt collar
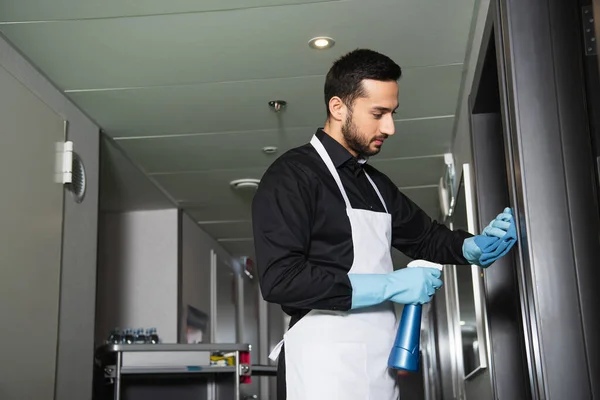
338	153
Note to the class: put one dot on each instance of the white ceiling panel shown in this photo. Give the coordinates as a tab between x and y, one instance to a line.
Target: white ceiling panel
242	106
248	44
244	149
213	151
209	188
45	10
215	107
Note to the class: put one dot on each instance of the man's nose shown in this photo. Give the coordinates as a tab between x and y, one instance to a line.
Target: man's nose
387	125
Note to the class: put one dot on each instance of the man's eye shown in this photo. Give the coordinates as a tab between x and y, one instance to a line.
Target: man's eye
377	116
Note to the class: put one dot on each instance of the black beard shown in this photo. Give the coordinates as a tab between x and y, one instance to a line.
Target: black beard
355	141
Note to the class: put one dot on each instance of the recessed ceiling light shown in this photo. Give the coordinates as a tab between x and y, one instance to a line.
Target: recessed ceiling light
245	183
321	43
270	150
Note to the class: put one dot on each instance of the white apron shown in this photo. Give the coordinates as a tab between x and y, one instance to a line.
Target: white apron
335	355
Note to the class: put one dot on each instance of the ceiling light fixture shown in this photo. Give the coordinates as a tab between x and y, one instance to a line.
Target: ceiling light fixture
247	183
270	150
321	43
277	105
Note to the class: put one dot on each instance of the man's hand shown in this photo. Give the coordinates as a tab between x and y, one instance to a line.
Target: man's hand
495	241
404	286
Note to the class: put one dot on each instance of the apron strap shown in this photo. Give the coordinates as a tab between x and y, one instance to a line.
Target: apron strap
378	192
316	143
276	351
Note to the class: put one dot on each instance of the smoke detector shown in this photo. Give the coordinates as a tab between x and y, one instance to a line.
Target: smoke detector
247	183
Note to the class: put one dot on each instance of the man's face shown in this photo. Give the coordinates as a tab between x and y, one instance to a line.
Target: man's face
370	119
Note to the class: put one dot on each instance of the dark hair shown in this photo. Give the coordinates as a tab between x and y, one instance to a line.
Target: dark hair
345	77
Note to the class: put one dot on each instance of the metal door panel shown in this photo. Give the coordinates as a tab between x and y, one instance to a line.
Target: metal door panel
31	218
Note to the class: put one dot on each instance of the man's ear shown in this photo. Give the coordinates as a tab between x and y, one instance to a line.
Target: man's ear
337	109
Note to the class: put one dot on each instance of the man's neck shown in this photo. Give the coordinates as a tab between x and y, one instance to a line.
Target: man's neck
336	133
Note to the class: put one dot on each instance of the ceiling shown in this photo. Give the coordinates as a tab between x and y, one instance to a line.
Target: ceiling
183	86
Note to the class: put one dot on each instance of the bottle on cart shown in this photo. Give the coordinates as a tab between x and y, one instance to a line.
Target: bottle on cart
114	337
153	336
140	337
128	338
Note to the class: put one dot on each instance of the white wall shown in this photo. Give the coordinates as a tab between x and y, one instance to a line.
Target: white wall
227	301
78	274
151	265
196	246
138	272
195	271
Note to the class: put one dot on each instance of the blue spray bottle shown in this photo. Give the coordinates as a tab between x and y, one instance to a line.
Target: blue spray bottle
405	353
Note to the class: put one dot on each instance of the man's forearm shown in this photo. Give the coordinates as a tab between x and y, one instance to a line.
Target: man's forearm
441	245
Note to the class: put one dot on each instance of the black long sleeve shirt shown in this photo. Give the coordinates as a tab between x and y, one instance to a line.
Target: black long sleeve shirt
302	234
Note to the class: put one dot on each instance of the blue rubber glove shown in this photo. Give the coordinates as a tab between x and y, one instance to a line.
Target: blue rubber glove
404	286
495	241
